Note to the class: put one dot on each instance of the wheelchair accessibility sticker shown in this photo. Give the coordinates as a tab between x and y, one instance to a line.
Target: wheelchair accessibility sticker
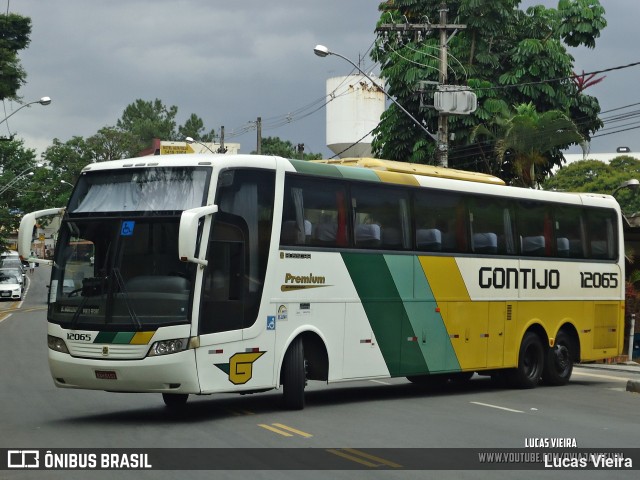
271	322
126	230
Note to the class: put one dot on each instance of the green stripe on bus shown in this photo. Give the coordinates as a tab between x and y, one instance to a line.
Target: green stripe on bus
323	169
122	338
403	313
356	173
105	337
433	339
385	310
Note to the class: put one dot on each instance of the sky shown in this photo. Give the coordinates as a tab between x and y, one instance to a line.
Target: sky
231	62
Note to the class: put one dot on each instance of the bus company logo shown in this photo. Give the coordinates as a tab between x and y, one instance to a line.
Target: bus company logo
23	459
240	366
301	282
283	313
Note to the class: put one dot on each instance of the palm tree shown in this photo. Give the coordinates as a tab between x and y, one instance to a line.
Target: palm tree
528	139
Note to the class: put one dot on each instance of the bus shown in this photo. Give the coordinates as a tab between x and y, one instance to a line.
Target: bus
203	274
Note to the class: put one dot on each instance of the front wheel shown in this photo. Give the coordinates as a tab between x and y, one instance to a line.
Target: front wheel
558	365
175	401
294	376
530	363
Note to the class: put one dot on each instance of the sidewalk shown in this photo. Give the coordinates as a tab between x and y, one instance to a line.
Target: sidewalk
628	367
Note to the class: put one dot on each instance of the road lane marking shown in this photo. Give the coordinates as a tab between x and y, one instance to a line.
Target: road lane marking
275	430
497	406
362	458
284	430
380	381
4	314
293	430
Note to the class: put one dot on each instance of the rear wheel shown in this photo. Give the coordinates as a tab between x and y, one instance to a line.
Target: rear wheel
175	400
558	364
294	376
530	363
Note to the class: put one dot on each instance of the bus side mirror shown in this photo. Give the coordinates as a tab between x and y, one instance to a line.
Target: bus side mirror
25	233
188	233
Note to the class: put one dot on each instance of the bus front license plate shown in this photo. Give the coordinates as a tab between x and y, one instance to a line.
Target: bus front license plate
106	375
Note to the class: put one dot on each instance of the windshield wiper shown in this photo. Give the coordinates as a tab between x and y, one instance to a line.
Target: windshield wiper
125	295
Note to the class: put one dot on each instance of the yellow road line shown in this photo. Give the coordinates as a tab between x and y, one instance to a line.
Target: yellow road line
595	375
275	430
373	457
352	458
362	458
290	429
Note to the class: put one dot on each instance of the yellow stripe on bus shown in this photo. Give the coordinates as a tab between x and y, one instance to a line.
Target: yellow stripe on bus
141	338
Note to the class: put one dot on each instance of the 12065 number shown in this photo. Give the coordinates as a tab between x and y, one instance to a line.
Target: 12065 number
598	280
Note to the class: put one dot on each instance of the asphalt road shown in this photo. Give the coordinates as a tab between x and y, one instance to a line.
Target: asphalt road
594	410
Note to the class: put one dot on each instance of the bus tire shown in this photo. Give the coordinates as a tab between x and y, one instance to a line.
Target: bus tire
175	401
558	364
294	376
530	363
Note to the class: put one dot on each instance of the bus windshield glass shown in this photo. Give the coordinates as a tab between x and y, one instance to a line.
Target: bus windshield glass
139	190
116	265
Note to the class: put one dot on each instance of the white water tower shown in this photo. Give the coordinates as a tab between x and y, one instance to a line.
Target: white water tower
352	113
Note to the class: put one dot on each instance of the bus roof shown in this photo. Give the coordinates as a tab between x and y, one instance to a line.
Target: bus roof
414	169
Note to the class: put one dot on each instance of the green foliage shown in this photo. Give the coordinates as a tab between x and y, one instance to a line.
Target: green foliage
284	148
503	55
598	177
14	36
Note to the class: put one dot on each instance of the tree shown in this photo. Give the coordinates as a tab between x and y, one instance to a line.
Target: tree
146	121
525	143
506	55
599	177
16	162
194	128
284	148
14	37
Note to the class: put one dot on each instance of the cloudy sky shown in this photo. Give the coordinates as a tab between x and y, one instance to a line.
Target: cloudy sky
231	62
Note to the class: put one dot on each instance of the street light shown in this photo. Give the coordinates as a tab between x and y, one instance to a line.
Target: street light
64	182
633	183
42	101
18	177
322	51
190	140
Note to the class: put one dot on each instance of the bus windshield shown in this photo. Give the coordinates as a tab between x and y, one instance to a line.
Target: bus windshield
116	266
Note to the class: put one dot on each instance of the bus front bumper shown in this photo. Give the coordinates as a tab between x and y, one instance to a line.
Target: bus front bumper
174	373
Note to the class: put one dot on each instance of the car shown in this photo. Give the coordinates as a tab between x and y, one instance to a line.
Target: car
17	273
13	263
9	287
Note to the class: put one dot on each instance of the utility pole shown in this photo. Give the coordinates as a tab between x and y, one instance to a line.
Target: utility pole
222	148
259	136
420	31
443	118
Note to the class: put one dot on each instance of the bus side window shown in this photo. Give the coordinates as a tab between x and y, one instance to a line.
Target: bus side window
601	230
313	212
568	228
534	228
440	221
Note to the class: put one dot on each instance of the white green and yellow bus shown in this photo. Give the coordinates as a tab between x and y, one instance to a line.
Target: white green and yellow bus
243	273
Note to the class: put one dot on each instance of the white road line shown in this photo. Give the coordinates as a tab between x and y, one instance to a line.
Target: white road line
381	382
496	406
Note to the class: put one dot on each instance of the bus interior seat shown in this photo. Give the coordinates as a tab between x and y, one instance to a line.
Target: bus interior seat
367	235
562	244
485	242
325	233
429	239
534	245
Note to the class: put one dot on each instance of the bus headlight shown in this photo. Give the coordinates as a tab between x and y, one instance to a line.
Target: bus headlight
57	344
165	347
